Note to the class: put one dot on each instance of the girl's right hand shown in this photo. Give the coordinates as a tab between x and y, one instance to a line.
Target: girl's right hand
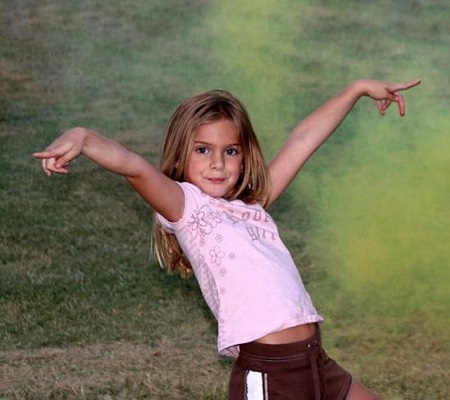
57	157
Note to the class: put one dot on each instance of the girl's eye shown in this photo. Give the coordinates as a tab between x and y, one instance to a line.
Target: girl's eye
232	152
201	150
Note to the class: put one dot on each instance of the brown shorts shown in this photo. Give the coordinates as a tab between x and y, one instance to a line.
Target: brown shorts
294	371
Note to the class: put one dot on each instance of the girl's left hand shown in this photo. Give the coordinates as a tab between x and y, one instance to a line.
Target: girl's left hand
385	93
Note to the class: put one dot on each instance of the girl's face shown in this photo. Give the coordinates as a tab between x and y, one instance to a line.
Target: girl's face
215	160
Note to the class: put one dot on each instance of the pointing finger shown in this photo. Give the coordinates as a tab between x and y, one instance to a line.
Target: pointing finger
403	86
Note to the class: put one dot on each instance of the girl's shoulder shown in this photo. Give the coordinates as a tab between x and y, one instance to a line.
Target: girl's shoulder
192	192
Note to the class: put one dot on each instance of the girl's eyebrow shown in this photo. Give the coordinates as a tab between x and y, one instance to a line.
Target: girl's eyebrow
211	144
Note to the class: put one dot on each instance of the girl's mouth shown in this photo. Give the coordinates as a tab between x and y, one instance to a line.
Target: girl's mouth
216	180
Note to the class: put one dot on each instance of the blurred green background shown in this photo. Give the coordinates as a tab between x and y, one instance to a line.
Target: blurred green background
83	311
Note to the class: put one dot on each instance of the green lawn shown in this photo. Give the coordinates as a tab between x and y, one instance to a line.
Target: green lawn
85	313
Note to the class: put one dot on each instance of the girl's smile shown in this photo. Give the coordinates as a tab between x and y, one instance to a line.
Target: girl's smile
215	161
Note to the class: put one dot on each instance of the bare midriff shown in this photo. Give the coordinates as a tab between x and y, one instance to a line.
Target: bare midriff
289	335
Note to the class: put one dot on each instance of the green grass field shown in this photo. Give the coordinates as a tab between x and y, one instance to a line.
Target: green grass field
86	314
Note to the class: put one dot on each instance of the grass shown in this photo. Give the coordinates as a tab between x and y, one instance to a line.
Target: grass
84	314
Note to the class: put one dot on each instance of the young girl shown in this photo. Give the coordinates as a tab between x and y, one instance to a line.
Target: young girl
210	198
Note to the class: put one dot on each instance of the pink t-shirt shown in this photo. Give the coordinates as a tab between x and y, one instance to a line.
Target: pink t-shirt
246	274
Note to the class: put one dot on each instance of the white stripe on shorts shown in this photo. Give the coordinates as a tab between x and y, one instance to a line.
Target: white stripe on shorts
256	386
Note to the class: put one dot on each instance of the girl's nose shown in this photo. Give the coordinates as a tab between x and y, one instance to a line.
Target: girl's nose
217	161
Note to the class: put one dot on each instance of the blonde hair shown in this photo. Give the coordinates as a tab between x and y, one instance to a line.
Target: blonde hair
253	185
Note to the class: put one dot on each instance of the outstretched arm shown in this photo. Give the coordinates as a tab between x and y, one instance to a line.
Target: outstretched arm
162	193
312	132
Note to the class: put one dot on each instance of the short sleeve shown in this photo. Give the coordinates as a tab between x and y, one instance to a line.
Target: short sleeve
192	196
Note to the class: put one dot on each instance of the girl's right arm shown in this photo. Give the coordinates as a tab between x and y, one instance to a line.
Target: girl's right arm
159	191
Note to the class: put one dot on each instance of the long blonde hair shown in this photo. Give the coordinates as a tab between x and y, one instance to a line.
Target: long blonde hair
253	185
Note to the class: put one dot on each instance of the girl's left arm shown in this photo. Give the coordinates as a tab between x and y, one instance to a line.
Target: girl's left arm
312	131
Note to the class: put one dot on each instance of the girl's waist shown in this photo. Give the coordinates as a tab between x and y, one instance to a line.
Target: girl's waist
294	334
